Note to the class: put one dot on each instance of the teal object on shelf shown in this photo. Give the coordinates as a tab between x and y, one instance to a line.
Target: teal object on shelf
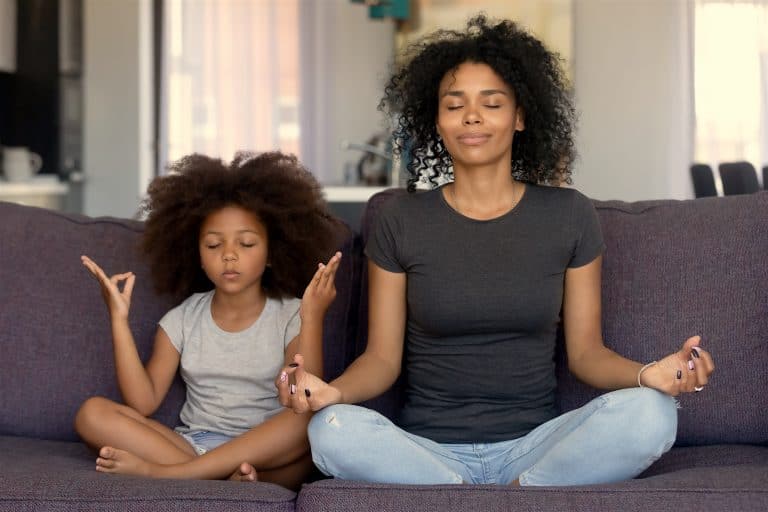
398	9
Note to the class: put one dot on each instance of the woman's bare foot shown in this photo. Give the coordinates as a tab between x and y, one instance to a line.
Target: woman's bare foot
245	473
112	460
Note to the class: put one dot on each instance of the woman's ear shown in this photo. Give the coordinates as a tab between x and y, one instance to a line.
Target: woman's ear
519	120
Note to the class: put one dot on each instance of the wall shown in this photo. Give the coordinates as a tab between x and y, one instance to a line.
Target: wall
7	35
116	137
633	95
345	70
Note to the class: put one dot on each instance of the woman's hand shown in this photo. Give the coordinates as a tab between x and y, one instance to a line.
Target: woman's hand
321	291
302	391
118	302
681	372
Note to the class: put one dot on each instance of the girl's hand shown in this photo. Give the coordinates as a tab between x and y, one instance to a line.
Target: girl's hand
118	302
302	391
682	372
321	290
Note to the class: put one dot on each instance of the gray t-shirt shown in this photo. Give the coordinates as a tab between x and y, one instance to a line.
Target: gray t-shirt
484	301
230	375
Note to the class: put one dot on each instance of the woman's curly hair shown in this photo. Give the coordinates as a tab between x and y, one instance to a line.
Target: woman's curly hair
541	154
275	187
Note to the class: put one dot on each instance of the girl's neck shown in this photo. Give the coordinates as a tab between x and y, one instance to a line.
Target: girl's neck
237	312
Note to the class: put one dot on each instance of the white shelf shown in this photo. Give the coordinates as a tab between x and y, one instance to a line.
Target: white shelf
36	186
350	194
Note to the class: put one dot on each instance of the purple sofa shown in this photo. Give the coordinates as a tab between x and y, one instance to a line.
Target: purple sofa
671	269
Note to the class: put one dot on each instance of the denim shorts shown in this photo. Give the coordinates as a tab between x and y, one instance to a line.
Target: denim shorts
203	440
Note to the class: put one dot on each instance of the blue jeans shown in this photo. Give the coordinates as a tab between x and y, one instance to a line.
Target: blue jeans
612	438
203	441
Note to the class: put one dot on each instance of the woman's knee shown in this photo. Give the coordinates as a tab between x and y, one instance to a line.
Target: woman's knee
337	426
654	420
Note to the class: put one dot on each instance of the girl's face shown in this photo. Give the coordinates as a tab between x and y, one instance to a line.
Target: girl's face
233	250
477	116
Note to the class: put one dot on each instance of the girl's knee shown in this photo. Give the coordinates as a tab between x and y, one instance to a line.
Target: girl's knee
94	411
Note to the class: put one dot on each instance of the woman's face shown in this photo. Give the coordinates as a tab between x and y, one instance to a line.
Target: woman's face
477	116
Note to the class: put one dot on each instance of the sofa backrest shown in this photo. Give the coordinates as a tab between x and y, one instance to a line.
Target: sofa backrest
55	340
673	269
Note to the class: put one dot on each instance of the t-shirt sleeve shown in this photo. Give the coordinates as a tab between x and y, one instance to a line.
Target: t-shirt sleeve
172	323
589	236
293	321
382	246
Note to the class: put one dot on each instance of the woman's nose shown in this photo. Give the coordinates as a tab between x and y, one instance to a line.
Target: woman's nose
471	117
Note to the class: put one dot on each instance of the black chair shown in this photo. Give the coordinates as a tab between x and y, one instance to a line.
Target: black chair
765	177
738	178
703	180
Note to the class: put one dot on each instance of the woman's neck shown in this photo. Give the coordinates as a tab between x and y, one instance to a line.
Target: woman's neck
484	195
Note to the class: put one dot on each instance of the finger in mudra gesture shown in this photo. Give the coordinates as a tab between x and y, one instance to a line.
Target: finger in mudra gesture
118	301
684	371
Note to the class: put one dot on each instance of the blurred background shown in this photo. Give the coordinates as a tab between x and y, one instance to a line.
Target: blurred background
107	92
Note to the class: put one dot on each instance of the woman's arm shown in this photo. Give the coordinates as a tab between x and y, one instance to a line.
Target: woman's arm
595	364
142	388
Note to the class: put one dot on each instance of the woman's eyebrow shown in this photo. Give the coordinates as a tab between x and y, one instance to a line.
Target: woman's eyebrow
484	92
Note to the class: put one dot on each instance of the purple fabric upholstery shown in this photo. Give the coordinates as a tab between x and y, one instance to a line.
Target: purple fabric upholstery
673	269
55	475
54	328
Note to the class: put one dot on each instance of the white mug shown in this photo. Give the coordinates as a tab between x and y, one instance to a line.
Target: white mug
20	164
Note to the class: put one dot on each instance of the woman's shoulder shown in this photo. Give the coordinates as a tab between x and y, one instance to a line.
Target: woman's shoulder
404	203
559	197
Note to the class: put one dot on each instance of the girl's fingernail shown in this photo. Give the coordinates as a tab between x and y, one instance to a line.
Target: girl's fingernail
306	392
293	389
695	352
679	374
294	365
283	377
690	364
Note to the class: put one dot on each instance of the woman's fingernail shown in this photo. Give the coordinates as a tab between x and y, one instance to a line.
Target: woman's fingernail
690	364
679	374
283	377
695	352
293	389
306	392
294	365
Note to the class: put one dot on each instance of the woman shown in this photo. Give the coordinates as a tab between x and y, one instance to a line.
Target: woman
468	282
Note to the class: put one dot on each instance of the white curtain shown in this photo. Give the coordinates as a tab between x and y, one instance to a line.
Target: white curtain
731	81
230	78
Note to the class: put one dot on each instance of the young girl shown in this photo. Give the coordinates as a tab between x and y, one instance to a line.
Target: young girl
240	242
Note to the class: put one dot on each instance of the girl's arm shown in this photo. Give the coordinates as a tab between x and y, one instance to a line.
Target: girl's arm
143	389
595	364
317	298
376	369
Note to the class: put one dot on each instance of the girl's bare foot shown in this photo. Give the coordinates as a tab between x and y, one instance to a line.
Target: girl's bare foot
112	460
245	473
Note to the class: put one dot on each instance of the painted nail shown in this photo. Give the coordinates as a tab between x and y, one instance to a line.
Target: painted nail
695	352
293	365
690	364
283	377
293	389
306	392
679	374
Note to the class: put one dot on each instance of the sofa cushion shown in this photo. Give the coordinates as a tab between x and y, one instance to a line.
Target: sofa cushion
674	269
54	327
56	475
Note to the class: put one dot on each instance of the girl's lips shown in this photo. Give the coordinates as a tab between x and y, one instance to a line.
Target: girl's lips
230	274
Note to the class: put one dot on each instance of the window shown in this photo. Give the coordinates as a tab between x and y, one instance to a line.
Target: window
230	78
731	81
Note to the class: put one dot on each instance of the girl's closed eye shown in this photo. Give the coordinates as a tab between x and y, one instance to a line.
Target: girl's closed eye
493	106
212	245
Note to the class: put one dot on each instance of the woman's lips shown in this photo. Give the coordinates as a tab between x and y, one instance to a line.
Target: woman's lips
474	139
